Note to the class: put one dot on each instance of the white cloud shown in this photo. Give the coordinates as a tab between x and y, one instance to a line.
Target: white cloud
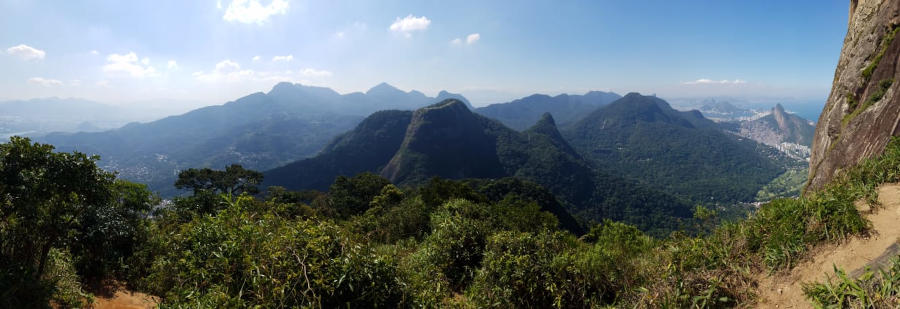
287	58
172	65
26	52
252	11
315	73
409	24
255	58
226	70
230	71
44	82
103	83
706	81
472	38
128	64
95	52
75	82
339	34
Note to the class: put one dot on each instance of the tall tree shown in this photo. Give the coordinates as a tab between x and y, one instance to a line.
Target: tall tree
43	197
234	180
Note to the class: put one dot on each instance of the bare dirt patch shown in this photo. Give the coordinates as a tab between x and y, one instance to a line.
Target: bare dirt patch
124	299
785	290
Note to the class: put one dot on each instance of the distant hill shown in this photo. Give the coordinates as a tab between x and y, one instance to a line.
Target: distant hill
522	113
724	111
682	153
779	127
44	115
259	131
449	141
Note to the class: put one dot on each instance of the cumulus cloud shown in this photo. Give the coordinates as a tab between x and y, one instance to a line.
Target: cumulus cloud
253	11
287	58
472	38
127	64
409	24
255	58
95	52
172	65
226	70
706	81
230	71
26	52
469	40
46	82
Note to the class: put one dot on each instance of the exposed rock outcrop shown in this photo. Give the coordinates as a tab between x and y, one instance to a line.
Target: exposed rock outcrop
863	109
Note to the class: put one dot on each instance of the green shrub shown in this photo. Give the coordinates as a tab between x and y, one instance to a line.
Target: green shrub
869	290
246	258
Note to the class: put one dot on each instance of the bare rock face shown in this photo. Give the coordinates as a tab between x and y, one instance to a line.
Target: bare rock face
863	110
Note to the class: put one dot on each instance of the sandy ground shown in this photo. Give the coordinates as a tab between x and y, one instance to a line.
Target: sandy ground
124	299
785	290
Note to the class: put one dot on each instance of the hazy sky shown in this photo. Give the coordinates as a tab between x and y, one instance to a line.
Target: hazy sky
215	51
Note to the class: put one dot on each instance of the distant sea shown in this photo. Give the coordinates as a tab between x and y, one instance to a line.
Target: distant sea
807	110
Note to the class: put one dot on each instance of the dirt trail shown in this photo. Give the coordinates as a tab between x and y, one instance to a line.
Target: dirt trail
124	299
786	290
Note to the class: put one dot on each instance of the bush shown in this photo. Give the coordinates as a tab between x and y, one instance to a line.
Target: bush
245	258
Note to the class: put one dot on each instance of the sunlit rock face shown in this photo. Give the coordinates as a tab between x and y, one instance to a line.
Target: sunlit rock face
862	112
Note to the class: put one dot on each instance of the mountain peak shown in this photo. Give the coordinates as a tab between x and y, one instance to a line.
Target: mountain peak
281	86
383	88
778	108
451	103
548	119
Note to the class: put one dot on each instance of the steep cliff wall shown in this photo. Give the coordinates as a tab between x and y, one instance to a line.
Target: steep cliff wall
863	109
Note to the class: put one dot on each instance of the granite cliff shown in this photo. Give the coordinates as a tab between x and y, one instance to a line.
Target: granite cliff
863	110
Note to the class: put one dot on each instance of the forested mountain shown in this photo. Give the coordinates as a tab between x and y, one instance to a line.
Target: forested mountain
259	131
447	140
683	153
522	113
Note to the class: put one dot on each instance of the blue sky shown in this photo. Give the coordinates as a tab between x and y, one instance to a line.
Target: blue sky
208	52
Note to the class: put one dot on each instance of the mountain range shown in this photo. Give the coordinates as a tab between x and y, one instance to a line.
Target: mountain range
683	153
450	141
259	131
522	113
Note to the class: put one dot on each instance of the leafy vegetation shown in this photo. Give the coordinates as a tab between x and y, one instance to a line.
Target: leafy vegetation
368	243
885	43
876	96
61	219
789	184
870	290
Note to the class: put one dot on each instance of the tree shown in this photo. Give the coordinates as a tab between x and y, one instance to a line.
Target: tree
43	197
234	180
352	195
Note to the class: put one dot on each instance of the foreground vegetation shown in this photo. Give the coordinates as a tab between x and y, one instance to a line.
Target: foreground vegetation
366	243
